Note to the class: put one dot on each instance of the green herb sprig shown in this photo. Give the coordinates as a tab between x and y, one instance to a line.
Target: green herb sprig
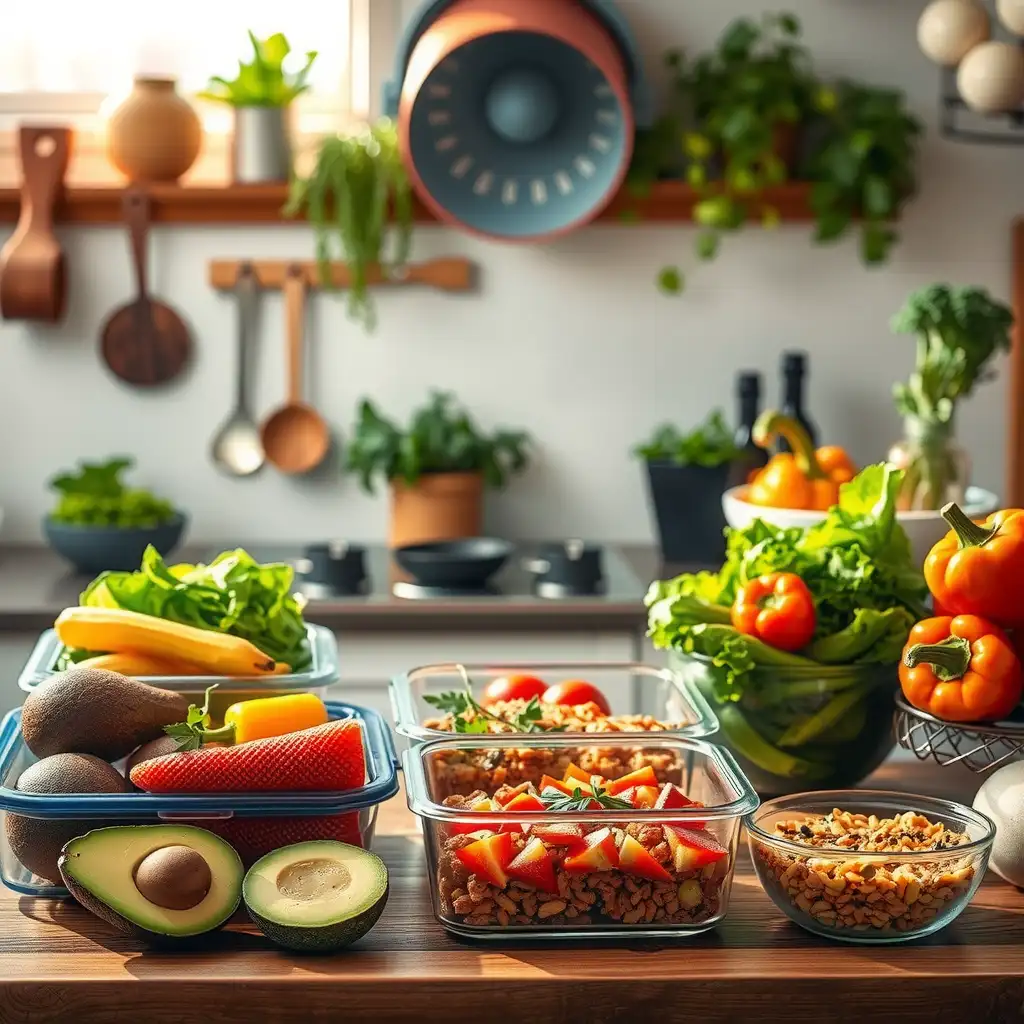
191	733
581	800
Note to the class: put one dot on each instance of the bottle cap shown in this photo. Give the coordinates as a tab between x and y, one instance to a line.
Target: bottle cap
794	362
748	383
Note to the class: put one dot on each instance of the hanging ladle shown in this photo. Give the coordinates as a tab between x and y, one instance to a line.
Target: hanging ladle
295	438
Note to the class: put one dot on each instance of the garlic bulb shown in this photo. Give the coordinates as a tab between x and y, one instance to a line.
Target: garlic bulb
949	29
1011	14
991	78
1001	797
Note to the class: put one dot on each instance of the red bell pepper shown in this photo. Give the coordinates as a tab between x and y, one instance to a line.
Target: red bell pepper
635	860
534	867
777	609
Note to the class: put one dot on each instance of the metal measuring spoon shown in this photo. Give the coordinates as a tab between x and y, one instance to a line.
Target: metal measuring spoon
237	449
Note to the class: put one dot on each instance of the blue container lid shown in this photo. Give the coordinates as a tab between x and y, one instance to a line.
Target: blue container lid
381	785
323	671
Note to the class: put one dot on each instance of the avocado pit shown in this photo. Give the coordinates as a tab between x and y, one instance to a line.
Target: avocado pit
309	880
174	877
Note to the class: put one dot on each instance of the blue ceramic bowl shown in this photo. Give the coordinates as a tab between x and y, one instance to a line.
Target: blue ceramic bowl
92	549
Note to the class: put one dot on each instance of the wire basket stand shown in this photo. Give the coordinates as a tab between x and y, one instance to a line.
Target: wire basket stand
980	747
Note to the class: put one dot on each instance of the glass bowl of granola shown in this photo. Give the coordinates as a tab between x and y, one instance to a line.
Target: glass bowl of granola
869	866
643	848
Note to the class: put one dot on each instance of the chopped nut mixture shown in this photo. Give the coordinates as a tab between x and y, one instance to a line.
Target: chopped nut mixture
688	897
839	890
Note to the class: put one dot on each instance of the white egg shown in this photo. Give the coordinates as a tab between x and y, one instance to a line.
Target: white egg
948	29
1011	14
1001	797
991	78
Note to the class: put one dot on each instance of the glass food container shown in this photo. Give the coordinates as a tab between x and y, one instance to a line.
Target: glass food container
656	693
254	823
608	872
798	729
870	897
323	671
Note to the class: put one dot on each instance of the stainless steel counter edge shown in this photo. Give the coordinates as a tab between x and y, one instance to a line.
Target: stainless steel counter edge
35	585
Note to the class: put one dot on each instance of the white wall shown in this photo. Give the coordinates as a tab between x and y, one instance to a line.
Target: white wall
571	341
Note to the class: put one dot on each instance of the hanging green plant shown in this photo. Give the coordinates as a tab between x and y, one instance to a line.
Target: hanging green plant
358	184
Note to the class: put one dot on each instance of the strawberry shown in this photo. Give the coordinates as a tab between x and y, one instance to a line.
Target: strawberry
255	837
326	758
693	848
641	777
635	860
600	854
561	834
488	858
534	867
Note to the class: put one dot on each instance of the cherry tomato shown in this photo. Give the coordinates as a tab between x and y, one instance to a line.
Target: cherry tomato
514	688
576	691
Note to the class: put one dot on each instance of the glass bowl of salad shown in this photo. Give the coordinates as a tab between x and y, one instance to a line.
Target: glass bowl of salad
798	728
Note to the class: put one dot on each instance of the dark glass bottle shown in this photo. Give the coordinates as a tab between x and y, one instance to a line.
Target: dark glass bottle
794	372
748	393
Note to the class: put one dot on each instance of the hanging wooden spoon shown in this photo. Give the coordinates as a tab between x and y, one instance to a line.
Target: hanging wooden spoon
32	283
145	342
295	438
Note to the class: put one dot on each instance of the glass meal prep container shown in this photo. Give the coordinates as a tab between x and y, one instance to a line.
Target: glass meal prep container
658	695
323	671
613	872
254	823
910	866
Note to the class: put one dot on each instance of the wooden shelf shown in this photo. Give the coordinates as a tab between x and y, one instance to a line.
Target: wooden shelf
262	204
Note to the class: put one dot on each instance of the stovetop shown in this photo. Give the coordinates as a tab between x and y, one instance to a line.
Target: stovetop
513	582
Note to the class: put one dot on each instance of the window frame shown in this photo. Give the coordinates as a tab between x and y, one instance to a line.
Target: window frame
374	30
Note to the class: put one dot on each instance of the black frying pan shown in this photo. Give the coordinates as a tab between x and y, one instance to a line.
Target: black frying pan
454	564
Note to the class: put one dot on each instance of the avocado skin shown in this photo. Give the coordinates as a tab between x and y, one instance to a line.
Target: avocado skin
122	924
329	939
37	842
92	711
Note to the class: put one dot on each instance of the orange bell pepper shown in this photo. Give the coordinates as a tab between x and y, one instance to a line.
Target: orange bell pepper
803	478
961	669
976	568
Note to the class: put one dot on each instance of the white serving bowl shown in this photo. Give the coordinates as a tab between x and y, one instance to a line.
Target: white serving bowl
924	528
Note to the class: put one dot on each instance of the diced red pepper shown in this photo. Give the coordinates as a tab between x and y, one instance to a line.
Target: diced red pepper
461	828
522	802
576	772
534	867
693	848
489	858
566	834
547	782
513	793
635	860
640	796
641	777
671	797
601	854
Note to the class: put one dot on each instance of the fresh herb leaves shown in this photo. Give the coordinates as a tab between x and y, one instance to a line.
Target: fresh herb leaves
189	733
582	800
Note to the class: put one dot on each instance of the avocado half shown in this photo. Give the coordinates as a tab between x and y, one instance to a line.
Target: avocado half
316	897
100	870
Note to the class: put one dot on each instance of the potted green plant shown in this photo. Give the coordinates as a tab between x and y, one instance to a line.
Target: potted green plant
357	186
436	468
261	95
686	476
864	165
959	330
747	102
101	523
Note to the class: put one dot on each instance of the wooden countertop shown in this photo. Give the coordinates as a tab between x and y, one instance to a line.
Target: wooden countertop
59	963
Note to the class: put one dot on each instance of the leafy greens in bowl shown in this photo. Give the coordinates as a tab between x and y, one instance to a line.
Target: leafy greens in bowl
819	717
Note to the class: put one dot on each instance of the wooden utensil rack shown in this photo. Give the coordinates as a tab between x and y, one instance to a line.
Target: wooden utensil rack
450	274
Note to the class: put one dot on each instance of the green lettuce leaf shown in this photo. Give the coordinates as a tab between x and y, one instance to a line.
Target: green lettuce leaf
233	594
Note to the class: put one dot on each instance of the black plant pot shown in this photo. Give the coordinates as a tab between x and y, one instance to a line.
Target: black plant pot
688	507
92	549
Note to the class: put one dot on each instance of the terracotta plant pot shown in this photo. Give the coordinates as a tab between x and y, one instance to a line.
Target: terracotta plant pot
439	506
154	134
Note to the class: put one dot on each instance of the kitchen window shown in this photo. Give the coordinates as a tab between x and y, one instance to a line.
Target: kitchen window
67	63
